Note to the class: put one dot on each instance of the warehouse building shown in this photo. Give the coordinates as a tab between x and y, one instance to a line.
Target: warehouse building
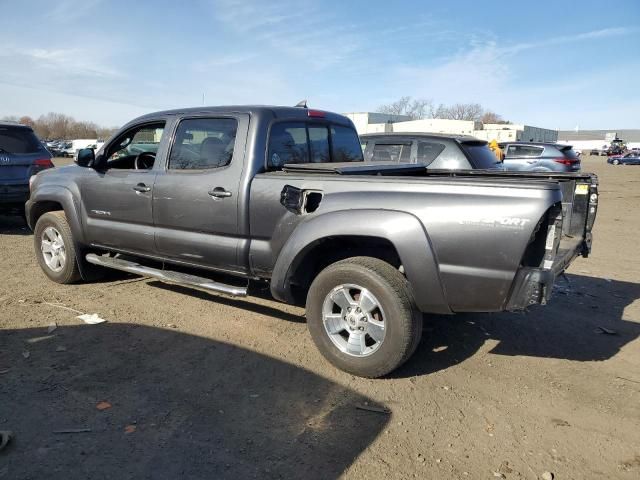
515	133
598	139
369	122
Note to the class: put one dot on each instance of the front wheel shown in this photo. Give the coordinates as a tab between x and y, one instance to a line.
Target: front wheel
362	316
55	249
616	162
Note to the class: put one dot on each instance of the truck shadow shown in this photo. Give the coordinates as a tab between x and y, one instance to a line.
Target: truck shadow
567	328
179	406
13	225
244	304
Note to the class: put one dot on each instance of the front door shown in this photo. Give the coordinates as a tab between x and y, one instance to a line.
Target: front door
117	195
196	197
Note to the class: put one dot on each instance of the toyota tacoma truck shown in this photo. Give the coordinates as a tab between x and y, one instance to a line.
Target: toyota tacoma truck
282	195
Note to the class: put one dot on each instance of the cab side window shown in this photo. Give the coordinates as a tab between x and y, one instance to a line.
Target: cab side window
203	143
122	153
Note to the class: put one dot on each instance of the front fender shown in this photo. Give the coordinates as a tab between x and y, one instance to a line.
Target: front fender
403	230
63	196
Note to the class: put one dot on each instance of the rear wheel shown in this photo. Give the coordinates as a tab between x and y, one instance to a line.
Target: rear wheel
362	316
616	161
55	249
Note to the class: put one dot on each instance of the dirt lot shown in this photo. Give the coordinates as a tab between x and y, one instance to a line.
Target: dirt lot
204	386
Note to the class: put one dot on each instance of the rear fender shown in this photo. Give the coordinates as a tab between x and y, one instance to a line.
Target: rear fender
405	232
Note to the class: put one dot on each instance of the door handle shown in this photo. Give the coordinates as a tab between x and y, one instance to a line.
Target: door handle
142	188
219	192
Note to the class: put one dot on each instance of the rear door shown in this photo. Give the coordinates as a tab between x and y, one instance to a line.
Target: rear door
197	195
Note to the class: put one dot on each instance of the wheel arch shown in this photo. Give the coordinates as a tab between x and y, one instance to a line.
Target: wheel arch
49	199
396	237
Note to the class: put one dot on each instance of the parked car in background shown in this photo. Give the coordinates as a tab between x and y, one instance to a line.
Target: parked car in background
446	152
599	152
631	158
21	156
72	147
540	157
58	148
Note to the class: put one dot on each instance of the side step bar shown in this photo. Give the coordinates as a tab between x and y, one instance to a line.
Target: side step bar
166	275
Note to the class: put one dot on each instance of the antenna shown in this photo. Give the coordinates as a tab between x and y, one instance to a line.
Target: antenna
302	103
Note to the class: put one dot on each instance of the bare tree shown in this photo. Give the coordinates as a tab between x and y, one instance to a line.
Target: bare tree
461	111
423	108
27	120
492	117
413	108
55	125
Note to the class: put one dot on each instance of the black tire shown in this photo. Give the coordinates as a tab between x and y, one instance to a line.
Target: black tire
70	272
616	162
403	321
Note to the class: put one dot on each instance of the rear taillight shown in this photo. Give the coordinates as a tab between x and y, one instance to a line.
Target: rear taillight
315	113
43	163
566	161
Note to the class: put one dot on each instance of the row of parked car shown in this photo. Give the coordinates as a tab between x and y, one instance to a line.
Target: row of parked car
69	148
454	152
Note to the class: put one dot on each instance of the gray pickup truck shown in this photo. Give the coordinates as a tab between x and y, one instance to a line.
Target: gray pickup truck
282	195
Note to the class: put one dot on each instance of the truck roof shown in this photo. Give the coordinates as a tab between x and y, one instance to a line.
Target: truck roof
273	110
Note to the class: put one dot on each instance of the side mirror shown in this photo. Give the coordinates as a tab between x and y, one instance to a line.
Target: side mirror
86	157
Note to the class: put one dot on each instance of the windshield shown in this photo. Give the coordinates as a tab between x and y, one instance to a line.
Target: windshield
481	155
18	140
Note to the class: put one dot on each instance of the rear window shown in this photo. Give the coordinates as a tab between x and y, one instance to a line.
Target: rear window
300	142
18	140
481	155
387	152
524	151
345	145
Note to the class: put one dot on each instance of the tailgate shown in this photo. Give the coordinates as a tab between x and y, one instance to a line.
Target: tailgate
10	174
579	208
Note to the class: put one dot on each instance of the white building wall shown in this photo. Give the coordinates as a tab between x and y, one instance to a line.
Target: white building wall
437	125
497	135
363	121
370	122
515	133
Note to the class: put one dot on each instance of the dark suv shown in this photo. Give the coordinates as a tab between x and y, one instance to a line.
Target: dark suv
540	157
446	152
21	156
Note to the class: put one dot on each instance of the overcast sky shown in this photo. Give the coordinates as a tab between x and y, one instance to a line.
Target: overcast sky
555	64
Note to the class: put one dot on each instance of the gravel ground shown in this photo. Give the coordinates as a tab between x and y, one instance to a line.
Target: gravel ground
184	384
